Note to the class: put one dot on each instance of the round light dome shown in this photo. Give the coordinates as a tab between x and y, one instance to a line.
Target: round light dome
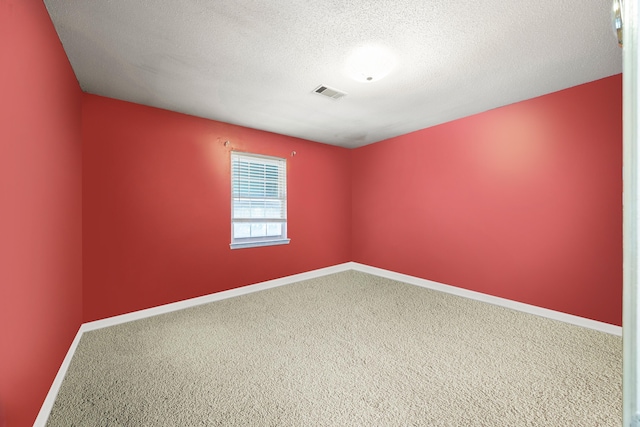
370	63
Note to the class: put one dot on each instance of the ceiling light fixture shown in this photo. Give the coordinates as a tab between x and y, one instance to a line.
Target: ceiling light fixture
370	63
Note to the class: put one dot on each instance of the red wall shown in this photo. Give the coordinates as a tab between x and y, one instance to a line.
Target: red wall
40	208
156	203
522	202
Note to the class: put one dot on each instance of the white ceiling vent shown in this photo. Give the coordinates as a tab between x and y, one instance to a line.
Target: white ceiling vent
329	92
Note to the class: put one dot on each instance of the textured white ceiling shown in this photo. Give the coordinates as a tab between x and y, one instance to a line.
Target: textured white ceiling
256	63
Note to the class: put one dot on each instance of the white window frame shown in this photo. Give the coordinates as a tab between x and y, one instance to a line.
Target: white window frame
245	207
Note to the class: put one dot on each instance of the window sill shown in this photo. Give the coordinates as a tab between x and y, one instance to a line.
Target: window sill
259	243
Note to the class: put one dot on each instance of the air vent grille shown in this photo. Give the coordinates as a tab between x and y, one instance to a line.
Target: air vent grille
329	92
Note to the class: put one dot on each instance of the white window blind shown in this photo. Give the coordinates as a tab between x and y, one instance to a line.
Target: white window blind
258	200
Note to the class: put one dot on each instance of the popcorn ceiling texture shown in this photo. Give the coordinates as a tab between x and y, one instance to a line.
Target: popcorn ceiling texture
348	349
256	63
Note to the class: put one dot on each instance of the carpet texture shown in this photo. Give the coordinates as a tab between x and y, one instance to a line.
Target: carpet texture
349	349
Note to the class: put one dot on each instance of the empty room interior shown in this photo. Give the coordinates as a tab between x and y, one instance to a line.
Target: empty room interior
486	158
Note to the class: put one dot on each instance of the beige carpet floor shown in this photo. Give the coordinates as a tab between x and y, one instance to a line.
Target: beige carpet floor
349	349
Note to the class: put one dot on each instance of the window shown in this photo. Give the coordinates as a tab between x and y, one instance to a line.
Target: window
258	200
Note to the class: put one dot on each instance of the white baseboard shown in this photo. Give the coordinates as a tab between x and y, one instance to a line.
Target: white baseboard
43	415
503	302
192	302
